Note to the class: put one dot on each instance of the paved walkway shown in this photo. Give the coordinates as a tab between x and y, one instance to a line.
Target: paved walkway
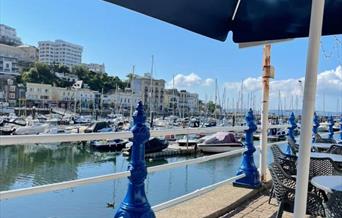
257	207
211	204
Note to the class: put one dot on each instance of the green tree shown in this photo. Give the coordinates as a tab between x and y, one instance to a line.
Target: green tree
211	107
42	73
39	73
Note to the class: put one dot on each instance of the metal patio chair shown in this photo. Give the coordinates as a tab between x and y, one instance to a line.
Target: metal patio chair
335	149
323	167
319	139
287	162
333	206
284	189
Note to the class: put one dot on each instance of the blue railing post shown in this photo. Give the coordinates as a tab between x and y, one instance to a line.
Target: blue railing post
252	179
315	126
331	127
341	128
135	203
291	128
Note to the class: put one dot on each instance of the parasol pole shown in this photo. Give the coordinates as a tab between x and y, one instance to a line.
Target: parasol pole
264	110
308	107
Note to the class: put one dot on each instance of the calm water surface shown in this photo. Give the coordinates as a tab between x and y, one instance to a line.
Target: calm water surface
31	165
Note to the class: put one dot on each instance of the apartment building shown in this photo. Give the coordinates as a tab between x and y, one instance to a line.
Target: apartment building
14	58
188	103
60	52
171	99
151	92
47	95
8	35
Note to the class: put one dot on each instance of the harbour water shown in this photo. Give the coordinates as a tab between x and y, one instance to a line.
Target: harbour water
31	165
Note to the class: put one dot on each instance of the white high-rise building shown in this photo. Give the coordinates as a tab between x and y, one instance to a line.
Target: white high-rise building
60	52
8	35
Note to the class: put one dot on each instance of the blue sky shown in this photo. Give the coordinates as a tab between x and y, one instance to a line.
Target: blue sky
120	38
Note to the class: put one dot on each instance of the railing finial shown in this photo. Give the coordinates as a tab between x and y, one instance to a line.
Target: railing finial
315	126
252	179
290	133
341	128
135	203
331	127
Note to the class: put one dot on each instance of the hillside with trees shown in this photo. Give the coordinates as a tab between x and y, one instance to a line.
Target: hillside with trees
43	73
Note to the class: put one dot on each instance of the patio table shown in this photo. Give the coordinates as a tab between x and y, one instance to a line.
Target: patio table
334	157
328	184
332	186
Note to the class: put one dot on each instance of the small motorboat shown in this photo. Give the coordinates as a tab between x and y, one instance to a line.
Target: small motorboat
152	145
6	130
98	127
219	142
109	145
34	129
191	140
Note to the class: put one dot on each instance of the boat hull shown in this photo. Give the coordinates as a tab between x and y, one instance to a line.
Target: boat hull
219	148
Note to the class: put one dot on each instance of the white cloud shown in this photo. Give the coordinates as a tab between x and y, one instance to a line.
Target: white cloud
208	82
188	81
328	82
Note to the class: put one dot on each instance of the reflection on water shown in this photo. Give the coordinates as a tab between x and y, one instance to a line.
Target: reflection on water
32	165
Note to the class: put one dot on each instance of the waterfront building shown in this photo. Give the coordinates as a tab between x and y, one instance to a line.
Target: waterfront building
87	98
38	94
188	103
62	95
60	52
8	35
151	92
12	93
171	100
8	68
47	95
123	100
193	103
97	68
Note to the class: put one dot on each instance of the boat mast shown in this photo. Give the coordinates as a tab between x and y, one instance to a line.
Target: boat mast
151	92
132	98
242	105
173	95
215	97
324	104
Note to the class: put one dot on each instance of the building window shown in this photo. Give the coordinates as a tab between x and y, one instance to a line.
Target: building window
12	88
12	95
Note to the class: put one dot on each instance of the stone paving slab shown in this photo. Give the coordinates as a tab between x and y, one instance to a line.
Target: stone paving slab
211	204
257	207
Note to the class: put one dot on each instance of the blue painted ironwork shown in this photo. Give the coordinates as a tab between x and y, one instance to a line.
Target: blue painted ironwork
315	126
331	127
135	203
252	179
290	133
341	128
